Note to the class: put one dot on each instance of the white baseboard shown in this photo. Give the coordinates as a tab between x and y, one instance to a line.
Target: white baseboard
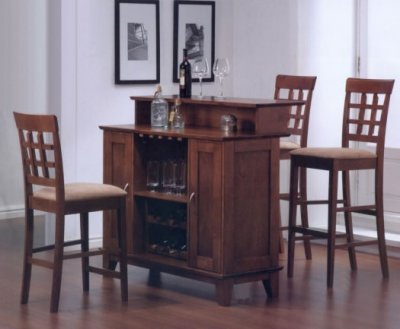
364	226
12	212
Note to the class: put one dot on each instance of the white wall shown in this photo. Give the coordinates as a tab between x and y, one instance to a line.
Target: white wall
99	100
326	48
23	83
264	45
92	98
75	67
72	72
382	57
59	58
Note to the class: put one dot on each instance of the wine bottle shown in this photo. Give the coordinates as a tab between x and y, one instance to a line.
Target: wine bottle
185	77
177	120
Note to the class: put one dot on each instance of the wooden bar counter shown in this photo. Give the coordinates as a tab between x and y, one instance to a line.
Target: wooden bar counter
225	228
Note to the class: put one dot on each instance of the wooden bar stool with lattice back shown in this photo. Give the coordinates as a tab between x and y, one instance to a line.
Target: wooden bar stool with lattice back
364	124
45	191
296	87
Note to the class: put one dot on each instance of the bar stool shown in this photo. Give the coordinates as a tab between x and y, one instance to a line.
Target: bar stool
296	87
45	191
364	121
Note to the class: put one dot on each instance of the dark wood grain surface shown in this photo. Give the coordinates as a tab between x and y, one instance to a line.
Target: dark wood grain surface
359	300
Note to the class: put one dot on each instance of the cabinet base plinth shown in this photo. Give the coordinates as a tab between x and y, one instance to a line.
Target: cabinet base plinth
223	283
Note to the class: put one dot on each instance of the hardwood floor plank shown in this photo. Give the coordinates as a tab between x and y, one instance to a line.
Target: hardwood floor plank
358	300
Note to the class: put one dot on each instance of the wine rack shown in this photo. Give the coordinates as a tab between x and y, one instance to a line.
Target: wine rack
166	228
164	215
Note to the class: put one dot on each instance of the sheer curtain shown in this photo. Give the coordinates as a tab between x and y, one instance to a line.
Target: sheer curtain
381	54
336	40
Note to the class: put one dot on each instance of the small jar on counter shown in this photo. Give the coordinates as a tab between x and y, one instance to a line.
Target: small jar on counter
228	123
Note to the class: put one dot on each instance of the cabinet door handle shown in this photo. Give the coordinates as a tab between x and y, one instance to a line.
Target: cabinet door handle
126	186
192	195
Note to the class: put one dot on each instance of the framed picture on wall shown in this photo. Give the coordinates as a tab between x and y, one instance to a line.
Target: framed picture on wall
194	29
137	41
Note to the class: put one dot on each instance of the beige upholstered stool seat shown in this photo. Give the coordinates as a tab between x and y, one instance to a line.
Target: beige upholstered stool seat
333	153
81	192
285	147
288	145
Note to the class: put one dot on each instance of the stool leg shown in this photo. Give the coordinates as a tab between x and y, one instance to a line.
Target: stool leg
281	240
332	205
348	219
84	219
27	267
121	223
304	210
380	226
294	173
58	263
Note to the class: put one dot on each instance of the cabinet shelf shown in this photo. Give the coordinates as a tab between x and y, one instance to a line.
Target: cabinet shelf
173	225
148	259
181	198
168	252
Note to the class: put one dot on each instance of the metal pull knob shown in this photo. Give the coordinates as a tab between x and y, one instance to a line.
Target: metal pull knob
126	186
192	195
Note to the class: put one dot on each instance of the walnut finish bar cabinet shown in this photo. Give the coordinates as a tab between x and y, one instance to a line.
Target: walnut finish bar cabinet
224	229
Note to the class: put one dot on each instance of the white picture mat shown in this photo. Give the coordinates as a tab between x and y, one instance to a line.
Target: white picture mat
146	15
199	15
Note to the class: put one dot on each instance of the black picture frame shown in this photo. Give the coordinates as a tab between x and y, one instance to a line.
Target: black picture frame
137	41
199	18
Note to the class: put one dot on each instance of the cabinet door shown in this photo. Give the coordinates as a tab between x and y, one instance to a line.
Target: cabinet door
118	170
251	189
205	207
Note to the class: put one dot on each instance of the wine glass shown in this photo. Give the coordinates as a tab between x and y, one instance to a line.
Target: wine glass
168	179
221	69
200	70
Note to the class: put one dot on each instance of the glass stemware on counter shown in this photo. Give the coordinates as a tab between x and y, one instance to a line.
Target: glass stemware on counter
221	69
200	70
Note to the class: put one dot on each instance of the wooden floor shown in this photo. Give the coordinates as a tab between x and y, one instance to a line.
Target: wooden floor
358	300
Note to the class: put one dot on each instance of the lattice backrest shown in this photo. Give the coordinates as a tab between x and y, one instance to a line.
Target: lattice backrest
297	88
365	111
40	150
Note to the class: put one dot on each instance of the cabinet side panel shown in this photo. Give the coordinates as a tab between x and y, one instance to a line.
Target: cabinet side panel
250	221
